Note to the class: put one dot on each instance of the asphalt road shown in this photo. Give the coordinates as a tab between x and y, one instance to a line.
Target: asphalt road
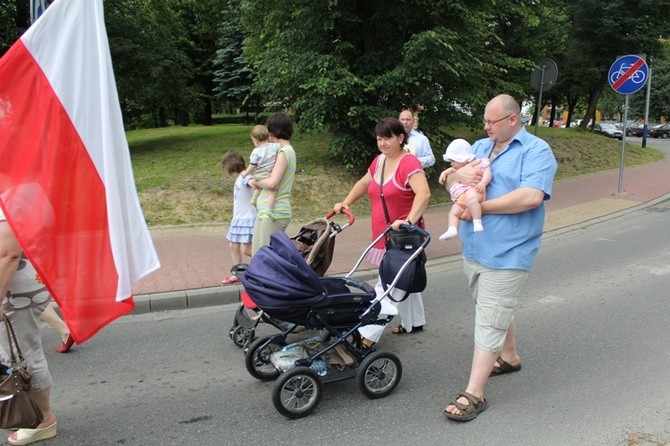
593	334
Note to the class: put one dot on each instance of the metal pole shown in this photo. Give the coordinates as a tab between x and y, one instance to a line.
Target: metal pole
645	128
539	101
623	148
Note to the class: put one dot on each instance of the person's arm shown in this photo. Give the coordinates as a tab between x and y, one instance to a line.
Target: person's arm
272	182
486	179
356	192
445	173
425	153
251	168
419	185
467	174
10	255
518	200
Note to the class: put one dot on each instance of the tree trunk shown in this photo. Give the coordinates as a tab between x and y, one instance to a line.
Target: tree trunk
366	11
594	95
207	117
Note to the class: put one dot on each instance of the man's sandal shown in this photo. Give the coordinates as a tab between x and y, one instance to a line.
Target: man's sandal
468	411
504	367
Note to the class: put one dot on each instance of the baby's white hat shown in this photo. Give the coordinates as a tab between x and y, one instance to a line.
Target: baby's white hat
460	151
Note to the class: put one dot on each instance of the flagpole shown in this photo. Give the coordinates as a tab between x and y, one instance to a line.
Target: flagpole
37	7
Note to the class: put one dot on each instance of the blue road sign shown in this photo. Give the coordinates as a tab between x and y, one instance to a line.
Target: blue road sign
628	74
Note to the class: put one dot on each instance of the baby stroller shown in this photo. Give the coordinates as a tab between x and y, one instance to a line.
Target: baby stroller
281	283
316	242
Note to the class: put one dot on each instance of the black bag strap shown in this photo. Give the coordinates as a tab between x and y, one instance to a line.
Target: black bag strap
390	295
11	336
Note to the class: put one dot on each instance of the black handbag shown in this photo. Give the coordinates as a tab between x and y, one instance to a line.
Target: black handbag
18	409
400	246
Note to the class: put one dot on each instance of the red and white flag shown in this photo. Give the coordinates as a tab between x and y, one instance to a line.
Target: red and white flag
66	182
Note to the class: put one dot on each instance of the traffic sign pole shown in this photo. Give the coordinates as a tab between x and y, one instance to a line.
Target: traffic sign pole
623	146
541	79
627	75
539	101
645	129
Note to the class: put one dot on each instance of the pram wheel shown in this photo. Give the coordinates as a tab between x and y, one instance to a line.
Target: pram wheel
297	392
257	358
378	374
241	336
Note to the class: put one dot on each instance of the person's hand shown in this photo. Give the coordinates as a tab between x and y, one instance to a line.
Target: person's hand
338	207
252	183
480	188
443	177
396	224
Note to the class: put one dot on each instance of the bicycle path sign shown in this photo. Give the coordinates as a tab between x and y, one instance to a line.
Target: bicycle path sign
628	74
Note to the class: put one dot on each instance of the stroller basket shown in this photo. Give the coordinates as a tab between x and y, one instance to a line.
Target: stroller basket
316	241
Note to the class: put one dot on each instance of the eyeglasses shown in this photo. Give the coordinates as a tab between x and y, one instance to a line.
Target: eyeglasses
490	123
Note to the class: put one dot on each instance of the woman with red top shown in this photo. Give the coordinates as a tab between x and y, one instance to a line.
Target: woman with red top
406	193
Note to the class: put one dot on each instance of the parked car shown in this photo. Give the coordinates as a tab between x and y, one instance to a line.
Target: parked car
634	129
661	131
608	130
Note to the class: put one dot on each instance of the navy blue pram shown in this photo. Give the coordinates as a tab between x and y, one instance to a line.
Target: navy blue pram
316	243
282	284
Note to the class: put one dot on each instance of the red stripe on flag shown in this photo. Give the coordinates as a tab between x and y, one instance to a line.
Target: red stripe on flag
55	198
624	77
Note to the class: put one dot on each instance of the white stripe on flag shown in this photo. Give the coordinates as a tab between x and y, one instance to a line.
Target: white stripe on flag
66	179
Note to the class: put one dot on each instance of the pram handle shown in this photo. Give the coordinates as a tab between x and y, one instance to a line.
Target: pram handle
411	228
346	212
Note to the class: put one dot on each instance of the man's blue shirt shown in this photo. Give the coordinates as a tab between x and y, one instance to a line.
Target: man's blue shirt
422	148
511	241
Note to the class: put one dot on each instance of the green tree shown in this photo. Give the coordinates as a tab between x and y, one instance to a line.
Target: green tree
659	101
9	32
153	74
233	77
14	20
602	31
343	65
201	20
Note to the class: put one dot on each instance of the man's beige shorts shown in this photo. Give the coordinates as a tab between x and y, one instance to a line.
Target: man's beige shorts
496	293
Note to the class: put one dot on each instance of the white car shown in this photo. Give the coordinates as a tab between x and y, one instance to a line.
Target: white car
608	130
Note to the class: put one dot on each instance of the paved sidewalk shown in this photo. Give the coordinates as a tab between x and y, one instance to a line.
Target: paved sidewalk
195	259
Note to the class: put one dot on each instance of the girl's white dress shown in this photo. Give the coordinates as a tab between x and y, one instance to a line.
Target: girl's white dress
244	213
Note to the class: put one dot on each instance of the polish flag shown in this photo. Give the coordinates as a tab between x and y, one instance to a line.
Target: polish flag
66	182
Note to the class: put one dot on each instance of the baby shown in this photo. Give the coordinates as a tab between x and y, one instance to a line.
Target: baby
464	196
261	161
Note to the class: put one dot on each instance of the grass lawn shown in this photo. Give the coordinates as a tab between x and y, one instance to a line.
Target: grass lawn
180	180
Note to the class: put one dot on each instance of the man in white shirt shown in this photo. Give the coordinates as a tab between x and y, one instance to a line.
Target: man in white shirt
417	143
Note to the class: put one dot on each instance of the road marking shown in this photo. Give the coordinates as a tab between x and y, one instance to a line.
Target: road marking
552	300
